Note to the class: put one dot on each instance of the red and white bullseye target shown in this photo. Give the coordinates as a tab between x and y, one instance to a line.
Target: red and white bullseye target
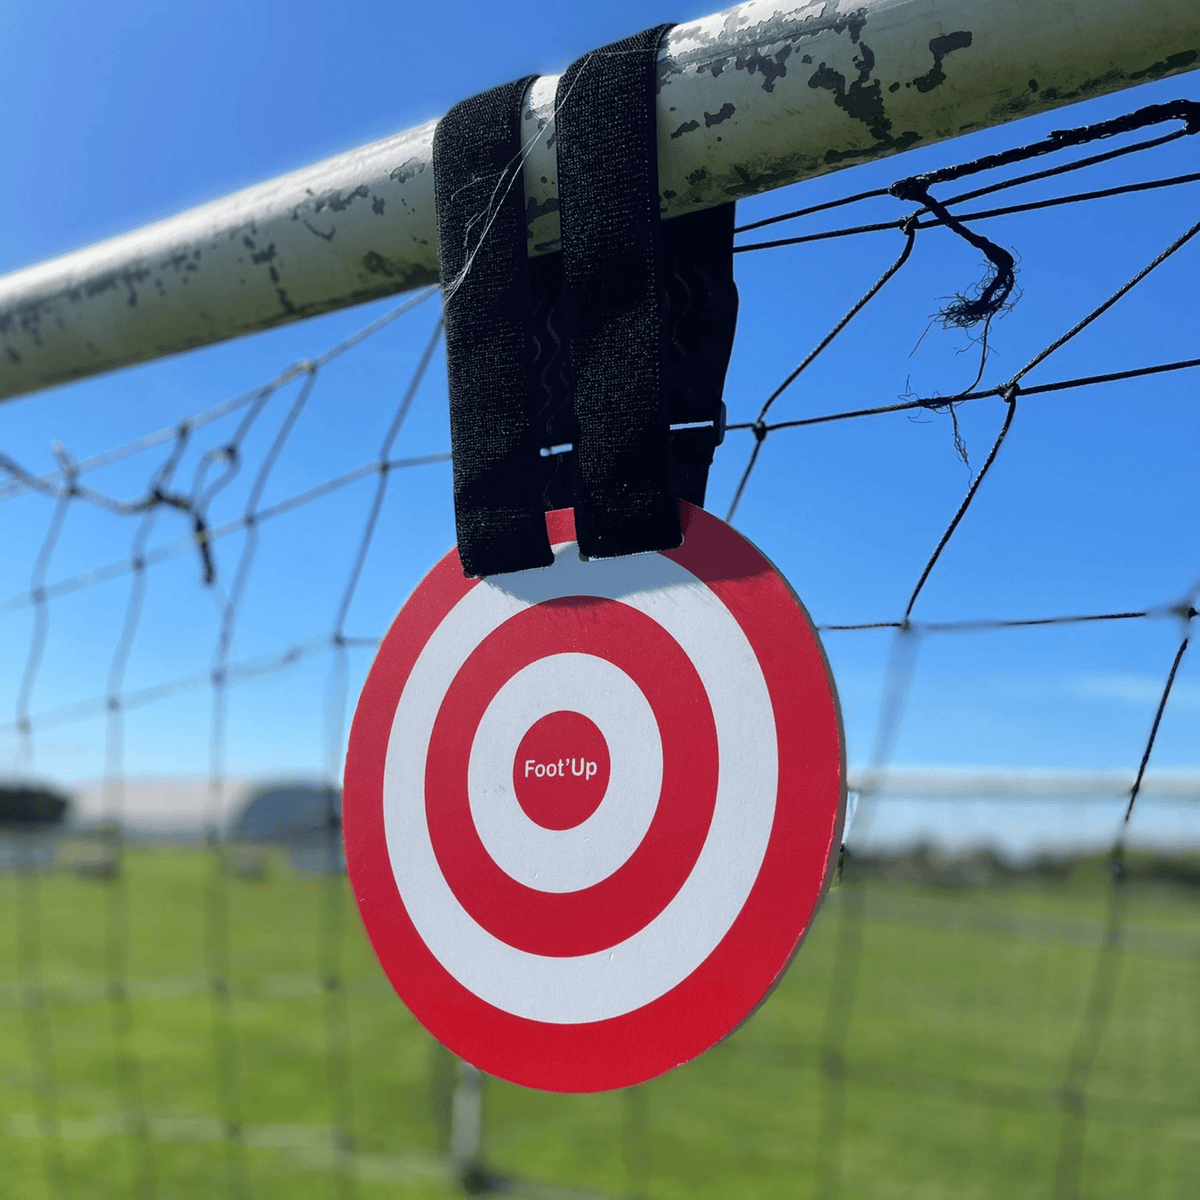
590	810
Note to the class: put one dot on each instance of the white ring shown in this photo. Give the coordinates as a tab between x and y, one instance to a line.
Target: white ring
664	952
566	860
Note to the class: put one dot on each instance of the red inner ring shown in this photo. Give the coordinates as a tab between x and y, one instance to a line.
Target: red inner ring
564	924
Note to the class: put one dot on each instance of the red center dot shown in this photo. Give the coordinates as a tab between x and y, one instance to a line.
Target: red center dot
560	773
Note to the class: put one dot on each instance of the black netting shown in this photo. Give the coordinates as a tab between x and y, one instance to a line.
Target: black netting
174	997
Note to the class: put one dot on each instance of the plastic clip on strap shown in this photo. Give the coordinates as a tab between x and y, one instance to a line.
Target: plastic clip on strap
485	278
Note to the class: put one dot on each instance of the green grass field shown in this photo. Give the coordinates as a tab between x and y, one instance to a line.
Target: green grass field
965	1010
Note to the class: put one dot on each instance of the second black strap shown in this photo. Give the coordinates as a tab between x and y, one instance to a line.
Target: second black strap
605	128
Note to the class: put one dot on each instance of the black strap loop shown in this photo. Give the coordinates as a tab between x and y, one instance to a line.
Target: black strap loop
485	279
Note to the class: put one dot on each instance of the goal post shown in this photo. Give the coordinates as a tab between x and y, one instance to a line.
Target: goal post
759	96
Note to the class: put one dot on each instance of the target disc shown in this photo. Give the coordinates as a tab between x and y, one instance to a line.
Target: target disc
590	810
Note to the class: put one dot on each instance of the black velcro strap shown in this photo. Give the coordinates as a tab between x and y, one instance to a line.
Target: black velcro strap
605	129
485	280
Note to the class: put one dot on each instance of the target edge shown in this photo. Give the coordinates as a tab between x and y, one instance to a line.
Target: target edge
550	1079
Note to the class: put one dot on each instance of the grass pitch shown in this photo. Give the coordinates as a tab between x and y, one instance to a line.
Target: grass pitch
962	1017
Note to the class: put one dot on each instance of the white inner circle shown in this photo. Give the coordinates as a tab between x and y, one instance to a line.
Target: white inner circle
665	951
566	860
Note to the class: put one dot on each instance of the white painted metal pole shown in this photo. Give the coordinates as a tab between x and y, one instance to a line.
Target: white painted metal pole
761	95
466	1122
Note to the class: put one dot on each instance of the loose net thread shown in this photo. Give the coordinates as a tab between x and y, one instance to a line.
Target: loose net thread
64	488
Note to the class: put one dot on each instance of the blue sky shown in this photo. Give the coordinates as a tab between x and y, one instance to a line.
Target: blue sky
126	113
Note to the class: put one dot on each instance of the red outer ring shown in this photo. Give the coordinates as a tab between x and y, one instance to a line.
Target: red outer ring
614	909
746	964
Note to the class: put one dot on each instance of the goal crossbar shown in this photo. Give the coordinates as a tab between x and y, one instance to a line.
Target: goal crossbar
756	97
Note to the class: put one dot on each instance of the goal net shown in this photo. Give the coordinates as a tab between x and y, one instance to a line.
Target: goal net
962	422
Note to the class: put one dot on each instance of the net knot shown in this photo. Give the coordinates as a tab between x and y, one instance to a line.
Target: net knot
912	188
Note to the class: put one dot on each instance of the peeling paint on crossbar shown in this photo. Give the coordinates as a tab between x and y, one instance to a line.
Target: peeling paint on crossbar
761	95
